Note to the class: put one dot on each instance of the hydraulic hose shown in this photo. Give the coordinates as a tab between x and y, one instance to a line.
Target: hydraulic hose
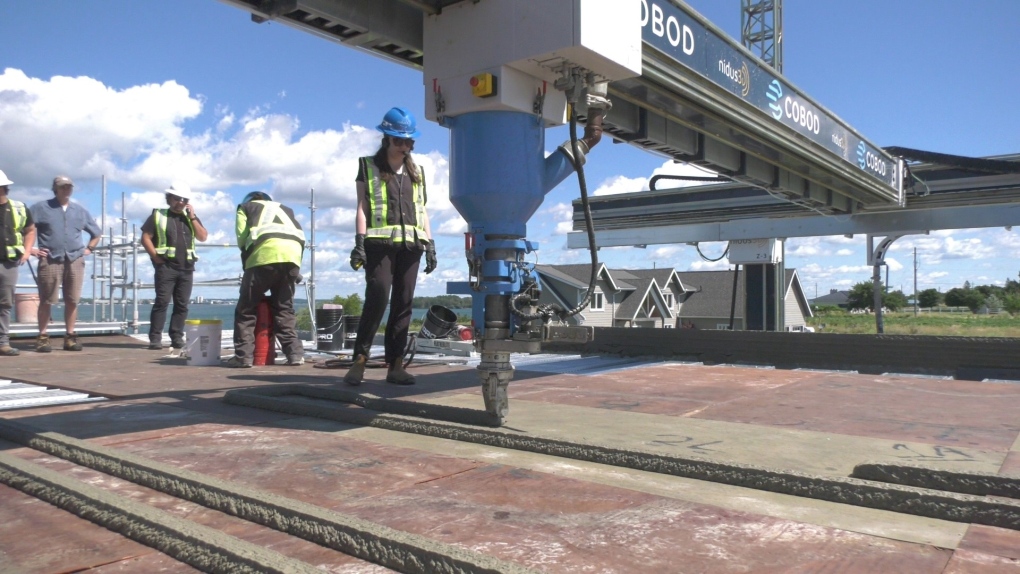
549	310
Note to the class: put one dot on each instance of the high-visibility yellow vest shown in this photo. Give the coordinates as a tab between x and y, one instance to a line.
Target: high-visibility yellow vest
384	225
270	235
20	216
161	220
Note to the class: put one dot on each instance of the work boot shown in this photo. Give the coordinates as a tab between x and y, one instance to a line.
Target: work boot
295	361
155	346
397	375
42	344
9	351
71	342
236	362
357	372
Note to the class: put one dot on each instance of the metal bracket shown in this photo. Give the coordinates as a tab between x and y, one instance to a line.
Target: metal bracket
876	255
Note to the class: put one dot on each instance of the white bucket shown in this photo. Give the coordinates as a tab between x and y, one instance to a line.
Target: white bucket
203	341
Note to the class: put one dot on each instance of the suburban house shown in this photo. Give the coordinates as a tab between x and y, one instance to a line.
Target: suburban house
660	298
622	298
835	297
710	307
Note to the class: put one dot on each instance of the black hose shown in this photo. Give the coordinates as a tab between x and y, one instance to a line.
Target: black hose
704	258
969	163
548	311
710	179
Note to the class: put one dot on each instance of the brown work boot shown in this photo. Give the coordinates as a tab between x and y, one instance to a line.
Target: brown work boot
357	372
9	351
42	344
397	375
71	342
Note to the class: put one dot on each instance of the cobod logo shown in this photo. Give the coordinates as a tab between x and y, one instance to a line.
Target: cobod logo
740	76
775	92
669	28
868	160
795	111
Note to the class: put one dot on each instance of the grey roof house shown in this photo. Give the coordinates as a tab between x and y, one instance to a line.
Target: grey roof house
659	298
709	307
835	297
622	298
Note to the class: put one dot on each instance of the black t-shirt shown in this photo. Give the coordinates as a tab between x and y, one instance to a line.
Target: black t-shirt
7	232
178	237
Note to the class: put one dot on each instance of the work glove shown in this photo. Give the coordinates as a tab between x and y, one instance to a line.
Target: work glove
358	253
430	256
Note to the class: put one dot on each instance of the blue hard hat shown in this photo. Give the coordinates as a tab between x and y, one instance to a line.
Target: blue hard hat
261	195
399	123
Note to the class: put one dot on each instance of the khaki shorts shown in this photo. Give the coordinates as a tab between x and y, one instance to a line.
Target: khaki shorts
54	274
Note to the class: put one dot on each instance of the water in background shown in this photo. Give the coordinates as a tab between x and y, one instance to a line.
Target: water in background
224	313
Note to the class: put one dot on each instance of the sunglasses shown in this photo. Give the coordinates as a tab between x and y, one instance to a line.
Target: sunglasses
175	198
402	141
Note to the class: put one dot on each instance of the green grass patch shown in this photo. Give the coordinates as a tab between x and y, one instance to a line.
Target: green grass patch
933	324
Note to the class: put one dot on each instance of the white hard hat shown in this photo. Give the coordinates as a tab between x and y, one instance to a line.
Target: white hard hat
4	180
180	189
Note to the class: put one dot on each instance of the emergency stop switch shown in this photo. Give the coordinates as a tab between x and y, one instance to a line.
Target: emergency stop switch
483	85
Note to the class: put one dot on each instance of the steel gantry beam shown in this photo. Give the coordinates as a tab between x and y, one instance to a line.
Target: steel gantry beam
702	98
944	197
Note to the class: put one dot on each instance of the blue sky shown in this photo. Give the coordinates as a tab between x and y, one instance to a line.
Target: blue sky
145	92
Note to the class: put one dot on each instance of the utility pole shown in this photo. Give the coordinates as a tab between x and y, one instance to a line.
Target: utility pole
916	303
311	256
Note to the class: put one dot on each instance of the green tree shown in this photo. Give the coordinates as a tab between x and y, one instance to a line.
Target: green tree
825	310
990	291
969	298
1012	286
1011	303
352	306
448	301
861	296
994	303
929	298
894	301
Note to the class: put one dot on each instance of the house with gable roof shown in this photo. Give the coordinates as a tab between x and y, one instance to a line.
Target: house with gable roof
622	298
660	298
710	307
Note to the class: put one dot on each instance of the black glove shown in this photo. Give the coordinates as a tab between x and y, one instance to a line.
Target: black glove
430	256
358	253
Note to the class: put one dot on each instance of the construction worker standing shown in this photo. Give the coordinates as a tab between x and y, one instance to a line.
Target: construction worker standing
272	244
391	235
168	236
17	236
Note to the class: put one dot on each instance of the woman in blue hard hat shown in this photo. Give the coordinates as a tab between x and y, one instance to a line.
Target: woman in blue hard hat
391	234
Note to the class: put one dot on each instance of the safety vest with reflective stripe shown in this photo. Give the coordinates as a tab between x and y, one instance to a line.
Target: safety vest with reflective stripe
160	221
19	215
383	224
271	222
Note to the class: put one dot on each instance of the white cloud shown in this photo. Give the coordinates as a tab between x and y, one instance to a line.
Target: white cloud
621	184
80	127
720	265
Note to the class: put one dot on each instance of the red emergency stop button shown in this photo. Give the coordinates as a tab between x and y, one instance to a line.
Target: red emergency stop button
483	85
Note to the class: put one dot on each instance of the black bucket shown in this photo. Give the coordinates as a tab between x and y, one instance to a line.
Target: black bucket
351	330
329	330
439	321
